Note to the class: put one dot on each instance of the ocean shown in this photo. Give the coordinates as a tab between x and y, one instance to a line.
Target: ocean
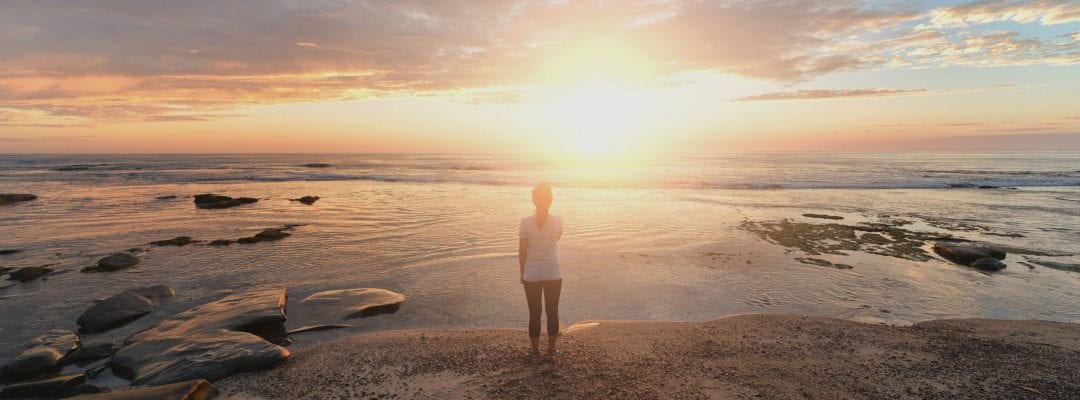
669	238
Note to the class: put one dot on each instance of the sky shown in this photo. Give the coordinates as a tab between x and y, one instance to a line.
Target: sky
592	78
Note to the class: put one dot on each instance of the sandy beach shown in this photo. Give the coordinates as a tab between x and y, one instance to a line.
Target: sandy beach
747	356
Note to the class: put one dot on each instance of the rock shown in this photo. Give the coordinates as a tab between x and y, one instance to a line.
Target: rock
89	389
221	242
823	216
307	200
823	263
988	187
352	303
210	341
177	241
122	308
27	274
45	355
12	198
215	201
114	262
166	197
9	251
966	255
988	264
53	388
267	235
316	165
94	349
198	389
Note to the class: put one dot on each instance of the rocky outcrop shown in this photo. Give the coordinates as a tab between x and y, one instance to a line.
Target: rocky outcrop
307	200
177	241
50	388
222	242
27	274
207	342
970	255
335	305
45	355
12	198
122	308
114	262
267	235
216	201
198	389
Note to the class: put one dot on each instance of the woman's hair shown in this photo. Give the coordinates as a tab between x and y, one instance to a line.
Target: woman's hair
541	194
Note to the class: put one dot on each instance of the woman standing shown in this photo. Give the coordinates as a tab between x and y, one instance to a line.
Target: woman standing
539	268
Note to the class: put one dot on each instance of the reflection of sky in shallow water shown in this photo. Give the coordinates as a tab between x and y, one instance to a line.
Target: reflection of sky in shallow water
627	253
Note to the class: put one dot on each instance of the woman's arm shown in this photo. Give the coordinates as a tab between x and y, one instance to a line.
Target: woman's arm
523	252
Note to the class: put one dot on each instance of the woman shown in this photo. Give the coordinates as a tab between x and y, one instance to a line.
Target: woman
539	268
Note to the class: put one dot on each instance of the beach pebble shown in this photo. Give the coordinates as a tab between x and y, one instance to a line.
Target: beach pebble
44	355
122	308
54	387
210	341
198	389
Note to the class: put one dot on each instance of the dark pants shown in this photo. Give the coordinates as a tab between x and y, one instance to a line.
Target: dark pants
550	291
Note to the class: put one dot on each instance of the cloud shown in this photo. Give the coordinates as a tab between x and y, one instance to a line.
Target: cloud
147	60
1043	12
816	94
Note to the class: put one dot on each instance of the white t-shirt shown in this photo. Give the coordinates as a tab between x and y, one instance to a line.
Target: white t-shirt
541	263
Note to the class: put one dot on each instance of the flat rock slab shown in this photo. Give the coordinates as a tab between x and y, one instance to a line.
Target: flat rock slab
198	389
94	349
335	305
210	341
45	355
54	387
12	198
216	201
122	308
114	262
27	274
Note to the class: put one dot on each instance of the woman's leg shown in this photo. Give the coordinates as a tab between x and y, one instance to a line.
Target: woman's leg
533	291
552	290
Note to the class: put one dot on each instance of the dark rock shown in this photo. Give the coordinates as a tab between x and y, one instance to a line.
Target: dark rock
45	355
1058	265
988	187
94	372
988	264
267	235
52	388
965	255
198	389
823	216
210	341
9	251
216	201
166	197
221	242
334	305
308	200
177	241
94	349
12	198
122	308
27	274
114	262
316	165
88	388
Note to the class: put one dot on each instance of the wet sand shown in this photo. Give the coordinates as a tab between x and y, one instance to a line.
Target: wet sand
746	356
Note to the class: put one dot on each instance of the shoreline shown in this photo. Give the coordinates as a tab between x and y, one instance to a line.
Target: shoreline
741	356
